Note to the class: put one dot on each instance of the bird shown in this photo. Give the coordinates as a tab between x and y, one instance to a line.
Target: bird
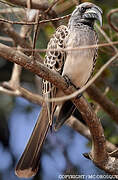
75	66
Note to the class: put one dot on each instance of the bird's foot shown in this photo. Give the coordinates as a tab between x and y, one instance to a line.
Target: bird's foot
68	81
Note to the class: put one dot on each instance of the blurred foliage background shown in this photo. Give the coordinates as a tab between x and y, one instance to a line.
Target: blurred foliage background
62	152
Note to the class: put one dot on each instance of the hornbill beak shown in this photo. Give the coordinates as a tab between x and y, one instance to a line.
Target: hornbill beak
94	13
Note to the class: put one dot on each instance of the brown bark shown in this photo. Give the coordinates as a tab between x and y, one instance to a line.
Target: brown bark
104	102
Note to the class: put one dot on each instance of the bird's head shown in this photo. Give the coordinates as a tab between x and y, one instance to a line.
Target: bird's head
87	13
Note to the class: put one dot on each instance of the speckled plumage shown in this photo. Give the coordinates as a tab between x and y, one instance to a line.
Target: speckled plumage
74	64
54	60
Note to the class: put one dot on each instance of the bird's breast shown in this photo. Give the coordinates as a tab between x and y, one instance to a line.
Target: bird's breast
79	63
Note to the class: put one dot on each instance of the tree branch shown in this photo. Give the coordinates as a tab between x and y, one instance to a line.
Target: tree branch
108	105
20	91
35	4
40	5
84	131
99	153
18	39
35	98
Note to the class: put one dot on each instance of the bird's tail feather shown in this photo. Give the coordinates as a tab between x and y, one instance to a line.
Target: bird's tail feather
29	162
65	112
67	109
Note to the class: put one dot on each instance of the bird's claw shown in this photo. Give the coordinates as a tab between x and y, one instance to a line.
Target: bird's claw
68	81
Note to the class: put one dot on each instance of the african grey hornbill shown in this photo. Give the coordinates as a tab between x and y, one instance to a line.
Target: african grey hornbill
77	66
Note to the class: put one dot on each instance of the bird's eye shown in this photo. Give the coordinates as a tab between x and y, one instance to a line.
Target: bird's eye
83	9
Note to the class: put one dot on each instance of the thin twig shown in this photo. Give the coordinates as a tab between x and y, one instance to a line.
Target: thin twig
35	32
109	15
53	4
35	23
70	49
106	37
